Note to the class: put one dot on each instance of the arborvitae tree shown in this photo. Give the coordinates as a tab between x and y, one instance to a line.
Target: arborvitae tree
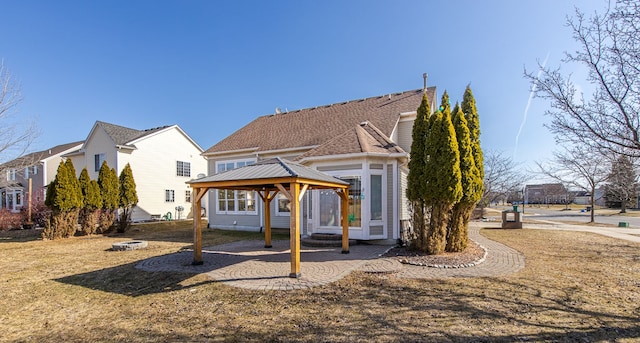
622	184
415	179
128	198
64	197
473	121
109	191
442	173
92	200
471	182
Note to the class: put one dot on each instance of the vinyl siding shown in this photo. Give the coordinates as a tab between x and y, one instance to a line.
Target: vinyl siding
405	131
154	169
404	202
390	204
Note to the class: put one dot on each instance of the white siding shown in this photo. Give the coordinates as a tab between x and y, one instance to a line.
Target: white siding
154	169
405	131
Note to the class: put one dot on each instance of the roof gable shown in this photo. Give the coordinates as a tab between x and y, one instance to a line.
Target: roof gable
315	126
361	139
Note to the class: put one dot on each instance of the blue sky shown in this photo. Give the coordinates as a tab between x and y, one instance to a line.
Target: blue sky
213	66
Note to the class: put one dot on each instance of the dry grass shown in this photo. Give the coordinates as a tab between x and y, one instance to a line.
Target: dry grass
576	287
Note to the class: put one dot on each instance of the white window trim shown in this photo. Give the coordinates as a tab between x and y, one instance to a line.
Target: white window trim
277	206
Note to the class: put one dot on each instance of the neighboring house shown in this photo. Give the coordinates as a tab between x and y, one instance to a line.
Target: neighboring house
584	198
547	193
40	167
365	142
162	160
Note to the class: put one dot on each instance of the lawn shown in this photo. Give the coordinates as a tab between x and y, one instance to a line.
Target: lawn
576	287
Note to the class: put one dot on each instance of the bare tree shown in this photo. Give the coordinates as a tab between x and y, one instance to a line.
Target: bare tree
16	134
577	168
502	176
609	48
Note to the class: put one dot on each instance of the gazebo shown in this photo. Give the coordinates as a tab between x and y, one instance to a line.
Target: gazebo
268	178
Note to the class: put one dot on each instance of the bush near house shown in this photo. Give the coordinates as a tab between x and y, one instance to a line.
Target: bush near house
40	213
9	220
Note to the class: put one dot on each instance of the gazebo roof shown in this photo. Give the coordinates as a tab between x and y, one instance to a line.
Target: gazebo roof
265	174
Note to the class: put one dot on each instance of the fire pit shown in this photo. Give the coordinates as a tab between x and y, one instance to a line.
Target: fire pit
131	245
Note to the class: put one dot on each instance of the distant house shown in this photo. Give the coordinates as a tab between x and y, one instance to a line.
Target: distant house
40	167
547	193
162	160
584	198
365	142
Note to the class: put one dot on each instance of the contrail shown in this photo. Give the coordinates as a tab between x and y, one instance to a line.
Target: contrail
526	110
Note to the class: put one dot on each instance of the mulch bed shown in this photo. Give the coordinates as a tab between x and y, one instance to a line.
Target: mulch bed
471	256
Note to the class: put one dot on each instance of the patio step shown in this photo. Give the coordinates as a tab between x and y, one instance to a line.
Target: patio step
325	240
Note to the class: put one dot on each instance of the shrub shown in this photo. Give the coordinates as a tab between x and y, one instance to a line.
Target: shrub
9	220
40	213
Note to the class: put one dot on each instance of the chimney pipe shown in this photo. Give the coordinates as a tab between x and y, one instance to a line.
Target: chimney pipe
424	77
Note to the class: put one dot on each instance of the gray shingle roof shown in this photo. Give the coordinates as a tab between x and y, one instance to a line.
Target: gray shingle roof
315	126
270	169
37	156
122	135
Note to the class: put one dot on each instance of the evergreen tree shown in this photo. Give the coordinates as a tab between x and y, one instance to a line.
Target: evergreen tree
442	173
109	191
473	120
415	179
64	197
92	201
457	235
622	184
128	197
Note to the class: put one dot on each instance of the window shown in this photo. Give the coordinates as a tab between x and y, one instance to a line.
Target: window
29	171
229	201
187	196
226	202
376	197
169	195
98	159
183	168
11	175
246	201
284	205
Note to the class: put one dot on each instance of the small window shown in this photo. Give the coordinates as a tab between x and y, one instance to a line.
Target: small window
169	195
187	196
98	159
183	168
284	205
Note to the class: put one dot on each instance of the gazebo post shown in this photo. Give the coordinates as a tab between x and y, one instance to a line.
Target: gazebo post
295	230
197	225
344	210
266	200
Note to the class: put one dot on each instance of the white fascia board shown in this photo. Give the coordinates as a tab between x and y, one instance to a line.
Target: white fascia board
353	156
229	152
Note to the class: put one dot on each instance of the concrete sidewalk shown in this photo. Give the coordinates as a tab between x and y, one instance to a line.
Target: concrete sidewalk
631	235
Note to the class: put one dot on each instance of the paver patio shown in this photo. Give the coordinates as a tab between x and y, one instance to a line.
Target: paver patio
247	264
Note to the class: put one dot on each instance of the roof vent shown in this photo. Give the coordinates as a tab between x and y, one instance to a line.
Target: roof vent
278	110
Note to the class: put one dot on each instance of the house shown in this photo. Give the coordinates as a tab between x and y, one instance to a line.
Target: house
162	160
40	167
364	142
547	193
